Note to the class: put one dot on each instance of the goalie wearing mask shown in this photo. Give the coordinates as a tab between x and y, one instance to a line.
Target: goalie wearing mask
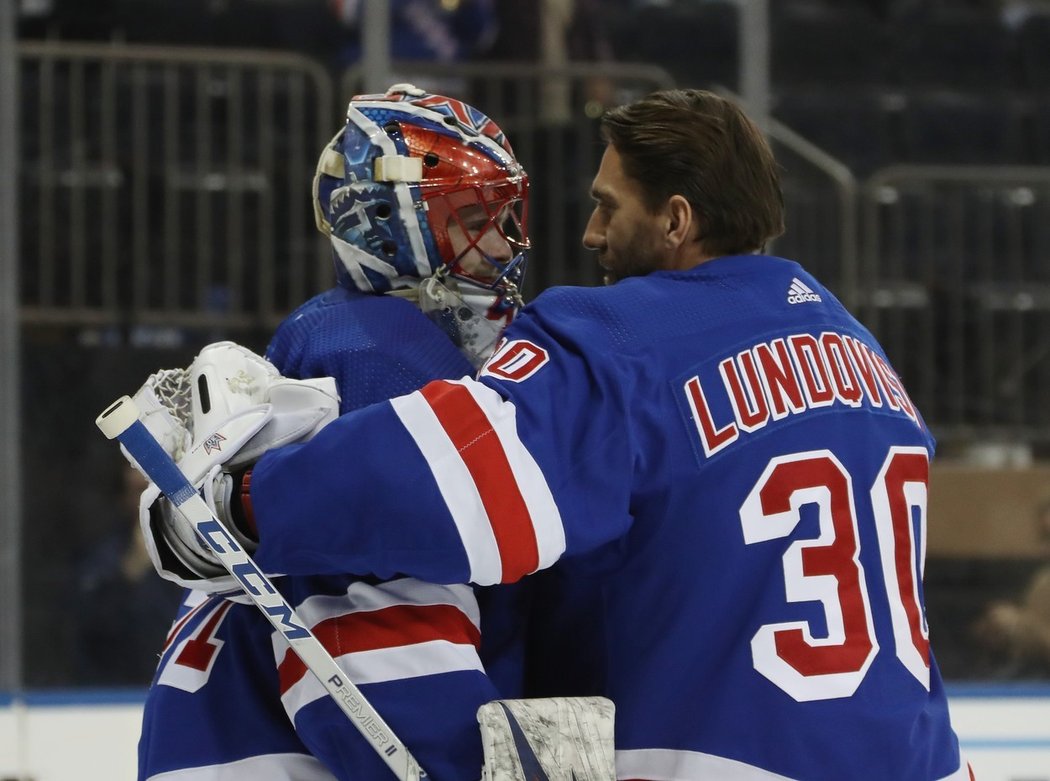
425	206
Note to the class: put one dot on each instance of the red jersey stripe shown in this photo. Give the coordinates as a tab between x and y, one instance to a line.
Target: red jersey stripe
482	452
389	627
174	631
200	649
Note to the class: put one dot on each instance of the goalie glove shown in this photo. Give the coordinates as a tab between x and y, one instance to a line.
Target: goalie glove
163	403
187	560
234	406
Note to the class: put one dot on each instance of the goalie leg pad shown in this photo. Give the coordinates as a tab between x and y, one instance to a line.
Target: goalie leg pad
550	739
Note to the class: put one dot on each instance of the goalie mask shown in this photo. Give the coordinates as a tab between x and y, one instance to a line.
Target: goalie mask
422	197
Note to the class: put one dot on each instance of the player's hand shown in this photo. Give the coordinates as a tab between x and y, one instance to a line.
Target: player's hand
238	408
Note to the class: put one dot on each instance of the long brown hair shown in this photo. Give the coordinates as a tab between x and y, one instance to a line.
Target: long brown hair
703	147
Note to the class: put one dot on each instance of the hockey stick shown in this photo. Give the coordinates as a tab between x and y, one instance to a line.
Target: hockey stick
121	422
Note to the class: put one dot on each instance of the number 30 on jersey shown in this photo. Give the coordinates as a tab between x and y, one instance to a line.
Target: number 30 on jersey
827	569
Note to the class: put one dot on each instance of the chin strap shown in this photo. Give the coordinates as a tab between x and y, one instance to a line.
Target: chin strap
472	316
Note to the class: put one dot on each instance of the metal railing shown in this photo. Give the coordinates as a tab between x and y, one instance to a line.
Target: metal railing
168	185
955	282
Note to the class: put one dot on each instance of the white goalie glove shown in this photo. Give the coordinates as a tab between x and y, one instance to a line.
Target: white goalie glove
216	418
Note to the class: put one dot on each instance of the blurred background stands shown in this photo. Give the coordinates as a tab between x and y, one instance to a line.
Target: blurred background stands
165	203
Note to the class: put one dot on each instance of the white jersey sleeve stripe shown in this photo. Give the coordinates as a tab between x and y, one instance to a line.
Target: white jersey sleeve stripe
455	484
477	444
386	664
670	765
543	512
511	498
363	597
386	629
267	767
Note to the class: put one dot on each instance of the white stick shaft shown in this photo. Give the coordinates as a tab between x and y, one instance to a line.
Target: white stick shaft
121	421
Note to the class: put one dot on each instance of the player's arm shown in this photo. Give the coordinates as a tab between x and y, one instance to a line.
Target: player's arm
480	481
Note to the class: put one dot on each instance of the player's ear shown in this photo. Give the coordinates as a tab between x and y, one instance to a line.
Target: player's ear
680	221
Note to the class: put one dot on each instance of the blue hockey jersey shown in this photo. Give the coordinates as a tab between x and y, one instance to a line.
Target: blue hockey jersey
730	455
229	690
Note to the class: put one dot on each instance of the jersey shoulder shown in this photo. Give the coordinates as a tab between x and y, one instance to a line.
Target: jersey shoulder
590	318
744	293
376	347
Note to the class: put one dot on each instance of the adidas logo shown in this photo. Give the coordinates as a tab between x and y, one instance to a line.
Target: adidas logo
799	293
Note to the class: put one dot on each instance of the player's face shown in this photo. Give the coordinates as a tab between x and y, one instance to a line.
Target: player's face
621	229
472	224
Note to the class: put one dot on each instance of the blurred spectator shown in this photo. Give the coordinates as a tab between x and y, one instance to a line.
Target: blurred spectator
1016	634
430	30
121	611
66	19
894	9
695	41
554	33
1015	13
524	27
304	26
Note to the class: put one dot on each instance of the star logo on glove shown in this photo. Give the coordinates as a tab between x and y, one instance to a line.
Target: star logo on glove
213	443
